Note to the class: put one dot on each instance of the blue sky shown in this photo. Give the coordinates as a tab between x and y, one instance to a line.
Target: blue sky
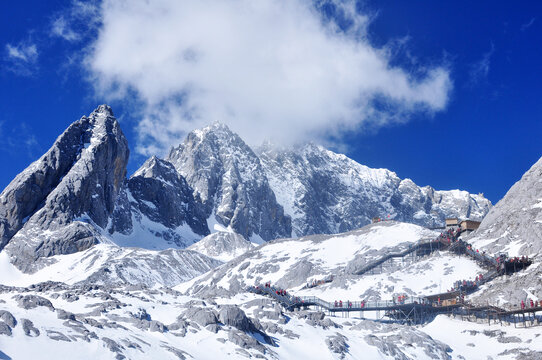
445	93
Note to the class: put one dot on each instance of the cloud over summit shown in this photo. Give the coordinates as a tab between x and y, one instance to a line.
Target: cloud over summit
269	69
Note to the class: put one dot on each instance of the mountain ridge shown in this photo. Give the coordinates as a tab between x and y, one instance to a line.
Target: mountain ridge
83	196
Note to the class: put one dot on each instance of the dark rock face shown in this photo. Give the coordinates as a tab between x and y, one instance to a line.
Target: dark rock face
337	344
202	316
33	301
29	328
228	179
165	197
8	318
5	329
514	226
68	192
77	195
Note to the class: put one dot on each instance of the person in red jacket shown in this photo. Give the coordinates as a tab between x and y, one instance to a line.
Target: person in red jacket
522	305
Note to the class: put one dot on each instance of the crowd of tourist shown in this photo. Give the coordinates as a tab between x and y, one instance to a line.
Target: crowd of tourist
533	304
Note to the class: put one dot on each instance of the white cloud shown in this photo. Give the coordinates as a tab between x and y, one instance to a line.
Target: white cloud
61	28
27	53
269	69
479	71
528	24
77	21
21	58
17	138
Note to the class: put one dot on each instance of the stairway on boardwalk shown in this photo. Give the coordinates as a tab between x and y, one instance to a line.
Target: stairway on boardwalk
443	241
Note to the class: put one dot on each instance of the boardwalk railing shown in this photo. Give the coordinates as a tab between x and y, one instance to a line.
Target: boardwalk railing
428	246
290	301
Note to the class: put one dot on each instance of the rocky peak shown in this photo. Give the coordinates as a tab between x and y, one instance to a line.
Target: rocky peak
155	167
74	184
227	177
222	245
104	110
161	194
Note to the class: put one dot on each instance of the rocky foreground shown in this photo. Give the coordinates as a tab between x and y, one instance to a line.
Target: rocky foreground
52	320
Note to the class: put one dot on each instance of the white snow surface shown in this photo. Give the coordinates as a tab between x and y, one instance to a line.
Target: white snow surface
144	235
296	340
480	341
131	265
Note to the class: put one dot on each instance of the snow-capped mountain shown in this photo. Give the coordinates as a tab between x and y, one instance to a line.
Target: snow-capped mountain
228	179
77	194
327	193
90	265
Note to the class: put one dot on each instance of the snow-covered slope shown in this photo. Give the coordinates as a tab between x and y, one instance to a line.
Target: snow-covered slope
479	341
110	264
293	263
327	193
430	275
223	245
92	315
